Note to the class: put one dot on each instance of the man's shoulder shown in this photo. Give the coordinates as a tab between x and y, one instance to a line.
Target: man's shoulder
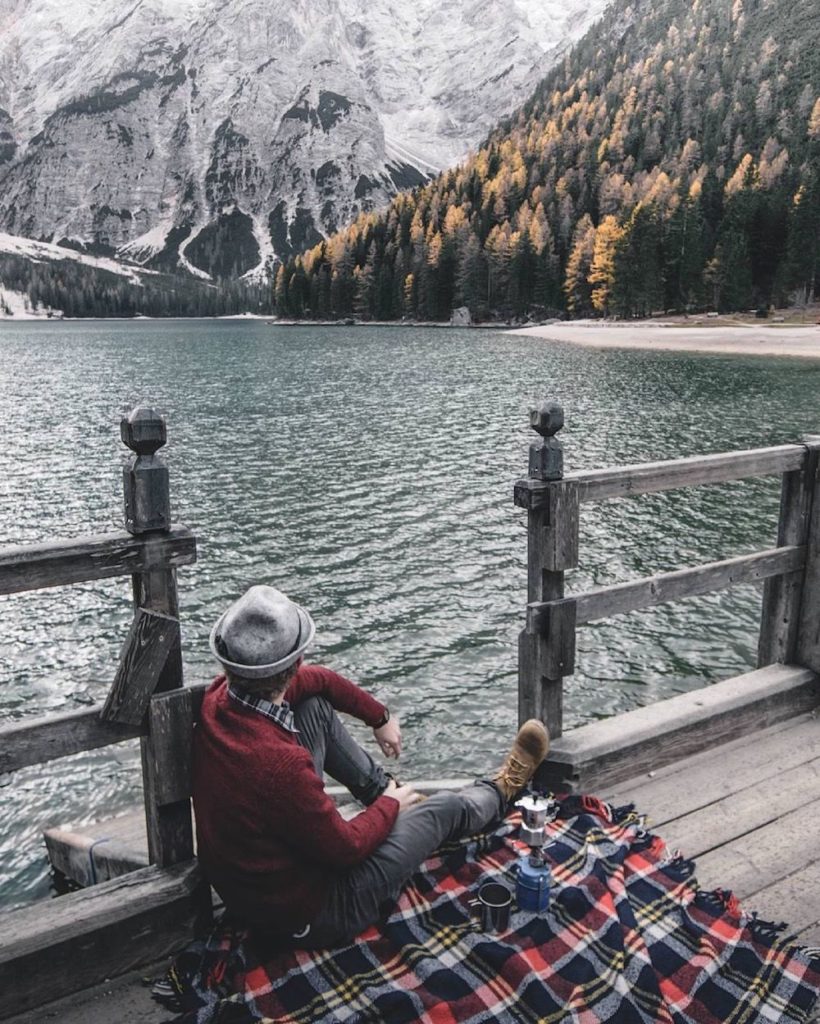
311	672
216	692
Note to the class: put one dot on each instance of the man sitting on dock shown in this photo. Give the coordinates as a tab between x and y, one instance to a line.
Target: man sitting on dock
270	839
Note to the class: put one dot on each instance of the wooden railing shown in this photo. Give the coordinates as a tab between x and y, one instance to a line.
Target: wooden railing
790	618
147	698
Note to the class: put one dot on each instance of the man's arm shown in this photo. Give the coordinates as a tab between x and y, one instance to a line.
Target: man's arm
313	825
317	681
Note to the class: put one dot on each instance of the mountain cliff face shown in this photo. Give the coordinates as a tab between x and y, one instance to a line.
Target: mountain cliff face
217	134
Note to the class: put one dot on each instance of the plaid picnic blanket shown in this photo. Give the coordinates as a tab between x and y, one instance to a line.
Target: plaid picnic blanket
628	938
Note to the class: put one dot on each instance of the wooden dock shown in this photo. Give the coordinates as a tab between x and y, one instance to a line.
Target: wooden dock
729	774
747	811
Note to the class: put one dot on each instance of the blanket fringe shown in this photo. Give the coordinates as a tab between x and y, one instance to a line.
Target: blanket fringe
723	899
681	868
765	930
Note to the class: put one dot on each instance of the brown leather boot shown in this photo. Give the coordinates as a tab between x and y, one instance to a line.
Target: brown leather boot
529	749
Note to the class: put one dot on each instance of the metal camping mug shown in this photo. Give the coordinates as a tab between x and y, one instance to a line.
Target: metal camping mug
492	908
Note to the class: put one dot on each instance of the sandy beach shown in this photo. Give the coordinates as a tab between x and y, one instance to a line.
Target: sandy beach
764	340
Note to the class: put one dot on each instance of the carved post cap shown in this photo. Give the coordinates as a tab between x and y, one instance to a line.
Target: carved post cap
145	476
547	418
143	430
546	453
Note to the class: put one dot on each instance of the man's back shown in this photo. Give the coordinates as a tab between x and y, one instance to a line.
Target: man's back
269	838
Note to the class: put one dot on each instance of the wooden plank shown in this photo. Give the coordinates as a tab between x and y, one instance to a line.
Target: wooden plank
741	812
672	586
122	1000
561	537
559	650
552	547
56	947
171	729
702	779
609	751
792	899
766	855
90	854
643	478
808	633
44	739
88	859
142	659
780	610
166	773
97	557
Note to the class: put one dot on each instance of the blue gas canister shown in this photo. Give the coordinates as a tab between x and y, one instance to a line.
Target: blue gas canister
532	888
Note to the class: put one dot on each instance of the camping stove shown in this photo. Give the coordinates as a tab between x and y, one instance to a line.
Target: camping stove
532	888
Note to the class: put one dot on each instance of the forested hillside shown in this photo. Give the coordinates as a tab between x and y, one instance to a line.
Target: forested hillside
77	290
672	161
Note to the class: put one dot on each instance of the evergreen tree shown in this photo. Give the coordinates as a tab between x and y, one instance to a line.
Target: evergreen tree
577	285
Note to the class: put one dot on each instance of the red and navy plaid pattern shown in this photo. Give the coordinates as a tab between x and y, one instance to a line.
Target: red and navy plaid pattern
628	938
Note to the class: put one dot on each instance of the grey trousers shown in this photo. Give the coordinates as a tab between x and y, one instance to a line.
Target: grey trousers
361	895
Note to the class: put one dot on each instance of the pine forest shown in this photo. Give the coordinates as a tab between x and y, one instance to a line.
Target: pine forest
670	162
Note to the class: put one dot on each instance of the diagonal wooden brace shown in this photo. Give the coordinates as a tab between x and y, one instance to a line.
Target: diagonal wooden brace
142	659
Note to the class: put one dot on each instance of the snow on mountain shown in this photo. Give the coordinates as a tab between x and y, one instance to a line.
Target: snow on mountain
218	133
44	252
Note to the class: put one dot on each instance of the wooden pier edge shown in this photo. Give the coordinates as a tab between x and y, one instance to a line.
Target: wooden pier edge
624	746
100	932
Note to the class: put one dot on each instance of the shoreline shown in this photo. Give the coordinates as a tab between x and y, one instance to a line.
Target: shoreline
795	341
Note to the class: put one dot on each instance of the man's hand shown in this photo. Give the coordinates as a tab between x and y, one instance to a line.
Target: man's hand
389	738
406	795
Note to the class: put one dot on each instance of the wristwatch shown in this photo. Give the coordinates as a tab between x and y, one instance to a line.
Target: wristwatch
384	719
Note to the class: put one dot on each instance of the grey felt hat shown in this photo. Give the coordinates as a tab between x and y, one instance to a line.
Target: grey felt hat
261	634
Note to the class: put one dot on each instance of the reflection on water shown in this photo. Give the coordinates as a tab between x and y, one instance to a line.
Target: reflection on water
368	472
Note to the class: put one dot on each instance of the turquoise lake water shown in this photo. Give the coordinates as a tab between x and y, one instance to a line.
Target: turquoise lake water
368	472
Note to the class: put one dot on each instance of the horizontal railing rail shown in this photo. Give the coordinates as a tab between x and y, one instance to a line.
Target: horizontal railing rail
616	599
96	557
647	477
649	591
49	737
651	477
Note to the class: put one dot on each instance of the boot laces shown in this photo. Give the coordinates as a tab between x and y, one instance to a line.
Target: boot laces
514	773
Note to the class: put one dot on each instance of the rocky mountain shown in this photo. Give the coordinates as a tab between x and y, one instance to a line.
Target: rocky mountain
217	134
39	281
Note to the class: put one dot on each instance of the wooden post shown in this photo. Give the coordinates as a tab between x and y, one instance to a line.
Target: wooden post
782	595
147	510
807	641
546	654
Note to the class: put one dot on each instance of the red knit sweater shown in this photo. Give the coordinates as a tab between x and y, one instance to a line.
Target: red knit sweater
270	840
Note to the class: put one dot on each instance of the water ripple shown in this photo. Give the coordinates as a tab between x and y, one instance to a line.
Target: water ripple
369	474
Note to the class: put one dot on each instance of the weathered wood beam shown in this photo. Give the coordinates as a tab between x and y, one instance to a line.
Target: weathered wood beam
56	947
142	659
807	641
47	738
96	557
643	478
668	586
552	548
148	511
606	752
783	595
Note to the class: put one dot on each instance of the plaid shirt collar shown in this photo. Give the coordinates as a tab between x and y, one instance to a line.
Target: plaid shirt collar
279	713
